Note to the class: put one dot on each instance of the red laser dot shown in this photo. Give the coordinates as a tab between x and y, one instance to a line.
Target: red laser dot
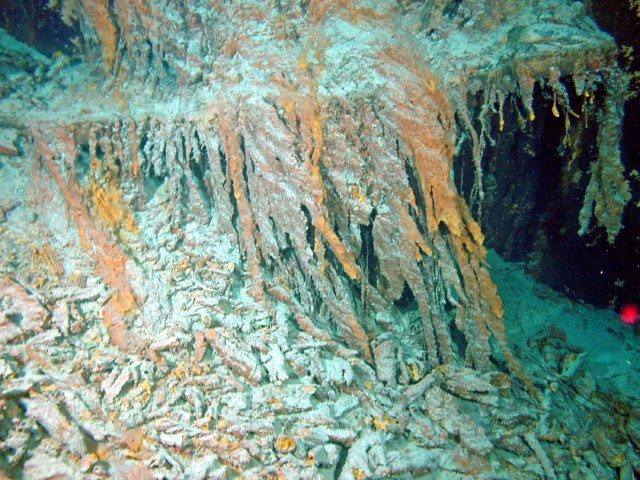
629	314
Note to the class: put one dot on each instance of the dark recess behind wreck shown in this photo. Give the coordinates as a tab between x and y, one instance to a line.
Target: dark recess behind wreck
529	216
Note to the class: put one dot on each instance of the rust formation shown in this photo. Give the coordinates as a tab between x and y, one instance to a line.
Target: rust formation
259	197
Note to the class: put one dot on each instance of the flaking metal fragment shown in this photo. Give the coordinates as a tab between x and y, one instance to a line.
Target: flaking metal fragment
234	356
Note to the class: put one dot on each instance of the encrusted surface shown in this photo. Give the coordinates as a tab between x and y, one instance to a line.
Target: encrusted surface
241	253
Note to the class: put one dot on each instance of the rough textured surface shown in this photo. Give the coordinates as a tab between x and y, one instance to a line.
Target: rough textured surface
317	205
242	241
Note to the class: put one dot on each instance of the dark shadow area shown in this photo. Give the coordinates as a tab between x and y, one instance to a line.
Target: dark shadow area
31	22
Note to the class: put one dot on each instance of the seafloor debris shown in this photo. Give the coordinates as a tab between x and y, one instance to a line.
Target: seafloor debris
208	250
76	407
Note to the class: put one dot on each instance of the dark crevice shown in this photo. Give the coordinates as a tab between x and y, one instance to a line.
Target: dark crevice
142	139
342	458
311	230
232	199
242	147
181	144
407	301
443	229
82	166
198	173
414	183
113	20
15	318
99	153
500	364
152	181
149	53
369	261
245	163
457	337
204	154
223	161
451	8
288	252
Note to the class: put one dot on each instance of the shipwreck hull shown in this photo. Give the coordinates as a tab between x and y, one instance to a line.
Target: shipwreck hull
253	211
